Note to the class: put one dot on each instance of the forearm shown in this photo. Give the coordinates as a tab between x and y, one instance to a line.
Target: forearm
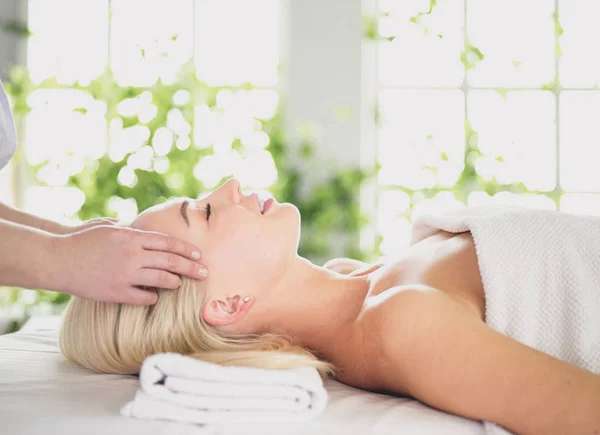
11	214
467	368
28	257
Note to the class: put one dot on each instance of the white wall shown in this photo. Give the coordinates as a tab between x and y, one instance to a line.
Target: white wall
321	76
328	88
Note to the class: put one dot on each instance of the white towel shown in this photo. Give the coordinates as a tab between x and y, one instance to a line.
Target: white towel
541	275
184	389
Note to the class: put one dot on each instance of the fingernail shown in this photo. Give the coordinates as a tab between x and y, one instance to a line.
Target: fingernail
203	272
196	255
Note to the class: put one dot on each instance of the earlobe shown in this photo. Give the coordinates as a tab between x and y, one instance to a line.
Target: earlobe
220	312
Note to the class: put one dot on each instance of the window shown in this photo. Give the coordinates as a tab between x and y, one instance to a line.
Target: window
486	102
228	42
232	48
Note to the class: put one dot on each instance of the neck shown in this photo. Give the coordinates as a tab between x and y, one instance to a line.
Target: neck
314	306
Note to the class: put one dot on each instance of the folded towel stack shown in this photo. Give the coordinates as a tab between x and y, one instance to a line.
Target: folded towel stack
181	388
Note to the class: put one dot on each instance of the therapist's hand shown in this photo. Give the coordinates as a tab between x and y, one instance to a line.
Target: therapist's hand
110	263
96	222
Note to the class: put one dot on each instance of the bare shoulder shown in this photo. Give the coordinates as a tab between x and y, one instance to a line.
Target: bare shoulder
402	323
408	306
349	266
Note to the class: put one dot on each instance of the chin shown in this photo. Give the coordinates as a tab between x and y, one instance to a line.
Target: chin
293	220
288	209
296	213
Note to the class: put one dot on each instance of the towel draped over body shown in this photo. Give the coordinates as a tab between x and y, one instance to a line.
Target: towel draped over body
541	276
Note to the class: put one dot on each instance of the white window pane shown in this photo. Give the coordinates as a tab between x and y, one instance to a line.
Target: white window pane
581	203
126	209
237	41
126	140
212	169
425	53
480	199
392	205
580	60
236	118
257	103
421	139
396	237
442	202
69	41
580	140
150	40
54	203
517	39
256	169
64	122
516	136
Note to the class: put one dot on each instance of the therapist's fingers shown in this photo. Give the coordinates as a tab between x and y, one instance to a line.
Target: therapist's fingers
156	278
95	223
162	242
171	254
166	261
136	296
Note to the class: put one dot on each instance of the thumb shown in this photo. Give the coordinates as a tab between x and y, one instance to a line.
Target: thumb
136	296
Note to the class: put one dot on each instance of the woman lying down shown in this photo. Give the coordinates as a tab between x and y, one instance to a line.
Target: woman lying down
491	314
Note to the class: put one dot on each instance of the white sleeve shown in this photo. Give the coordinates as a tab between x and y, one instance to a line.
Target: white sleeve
8	136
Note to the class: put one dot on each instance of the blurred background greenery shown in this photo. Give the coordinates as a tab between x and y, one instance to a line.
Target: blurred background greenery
465	112
136	175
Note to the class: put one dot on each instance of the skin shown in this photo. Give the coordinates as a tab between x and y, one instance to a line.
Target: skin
412	326
14	215
93	260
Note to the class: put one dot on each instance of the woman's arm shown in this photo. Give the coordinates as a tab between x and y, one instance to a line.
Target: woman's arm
451	360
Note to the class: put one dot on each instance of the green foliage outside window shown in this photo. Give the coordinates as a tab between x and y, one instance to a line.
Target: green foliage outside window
330	208
469	179
333	205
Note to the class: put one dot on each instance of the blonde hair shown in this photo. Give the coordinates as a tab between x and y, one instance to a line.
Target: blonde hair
116	338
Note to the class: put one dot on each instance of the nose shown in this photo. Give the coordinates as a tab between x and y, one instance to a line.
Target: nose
233	190
230	191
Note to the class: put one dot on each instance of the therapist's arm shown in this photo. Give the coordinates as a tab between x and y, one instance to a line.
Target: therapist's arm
16	216
13	215
106	263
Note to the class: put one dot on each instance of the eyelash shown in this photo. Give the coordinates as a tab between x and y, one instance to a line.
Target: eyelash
207	209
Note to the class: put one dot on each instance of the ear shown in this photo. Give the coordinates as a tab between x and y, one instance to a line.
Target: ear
219	312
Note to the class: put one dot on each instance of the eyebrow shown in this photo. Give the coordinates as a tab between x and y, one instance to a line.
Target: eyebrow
183	210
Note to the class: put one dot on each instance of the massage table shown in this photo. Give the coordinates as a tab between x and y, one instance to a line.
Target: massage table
40	392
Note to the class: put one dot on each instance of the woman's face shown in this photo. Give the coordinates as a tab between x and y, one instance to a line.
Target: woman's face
243	250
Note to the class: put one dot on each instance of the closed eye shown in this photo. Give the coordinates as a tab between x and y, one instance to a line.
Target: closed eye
184	208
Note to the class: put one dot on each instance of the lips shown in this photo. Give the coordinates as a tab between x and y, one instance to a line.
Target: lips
268	204
262	205
257	201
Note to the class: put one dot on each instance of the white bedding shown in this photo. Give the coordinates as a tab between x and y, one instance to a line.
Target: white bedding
41	392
